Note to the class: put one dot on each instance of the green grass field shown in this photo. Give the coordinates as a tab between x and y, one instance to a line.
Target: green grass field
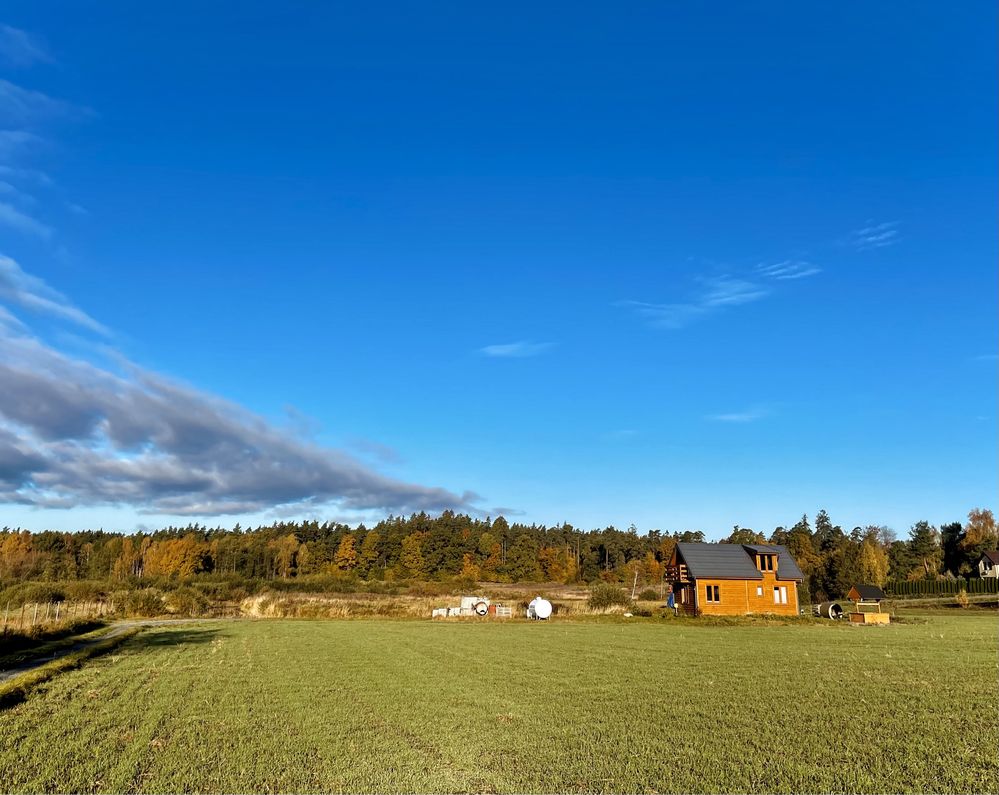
655	706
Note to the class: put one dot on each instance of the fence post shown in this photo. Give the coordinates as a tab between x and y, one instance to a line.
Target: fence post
58	605
47	606
6	612
34	616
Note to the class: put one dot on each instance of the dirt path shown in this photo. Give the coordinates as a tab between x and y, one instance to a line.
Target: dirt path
116	630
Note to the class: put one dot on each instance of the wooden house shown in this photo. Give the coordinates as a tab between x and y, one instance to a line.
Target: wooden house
988	564
734	579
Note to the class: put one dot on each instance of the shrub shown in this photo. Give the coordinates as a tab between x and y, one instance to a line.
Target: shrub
648	595
144	603
85	591
604	595
962	598
186	601
31	593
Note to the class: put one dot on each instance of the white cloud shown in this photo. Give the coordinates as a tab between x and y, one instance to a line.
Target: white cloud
517	350
20	48
31	293
749	415
16	219
717	293
23	107
787	270
875	235
75	433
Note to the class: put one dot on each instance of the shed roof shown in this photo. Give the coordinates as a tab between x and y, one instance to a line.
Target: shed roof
787	566
992	555
866	592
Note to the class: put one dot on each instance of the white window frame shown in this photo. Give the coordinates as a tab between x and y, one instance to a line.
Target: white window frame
759	590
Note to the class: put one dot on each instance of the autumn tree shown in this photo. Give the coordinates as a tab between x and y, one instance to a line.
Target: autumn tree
346	555
370	552
980	536
411	563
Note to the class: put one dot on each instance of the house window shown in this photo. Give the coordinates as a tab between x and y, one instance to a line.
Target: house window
766	562
711	592
783	594
759	590
776	595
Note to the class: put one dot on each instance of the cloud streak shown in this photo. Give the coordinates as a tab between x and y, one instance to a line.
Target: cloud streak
716	294
517	350
19	48
76	433
875	236
787	270
29	292
20	221
749	415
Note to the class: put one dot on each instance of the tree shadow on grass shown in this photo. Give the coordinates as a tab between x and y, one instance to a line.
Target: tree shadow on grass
154	638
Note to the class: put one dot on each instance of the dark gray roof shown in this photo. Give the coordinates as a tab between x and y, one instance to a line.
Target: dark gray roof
724	561
787	567
735	561
867	592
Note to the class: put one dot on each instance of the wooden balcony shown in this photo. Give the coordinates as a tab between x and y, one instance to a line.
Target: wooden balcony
677	573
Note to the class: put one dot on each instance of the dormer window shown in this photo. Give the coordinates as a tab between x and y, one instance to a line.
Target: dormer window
766	562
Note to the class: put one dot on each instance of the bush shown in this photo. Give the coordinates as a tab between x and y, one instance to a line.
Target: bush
144	603
186	602
962	598
30	593
605	595
648	595
85	591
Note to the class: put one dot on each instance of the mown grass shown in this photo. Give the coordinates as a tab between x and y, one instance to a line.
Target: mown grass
390	706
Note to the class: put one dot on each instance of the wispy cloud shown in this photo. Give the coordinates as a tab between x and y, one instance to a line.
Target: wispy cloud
29	292
716	294
787	270
622	435
517	350
875	235
375	450
16	219
75	432
749	415
23	107
19	48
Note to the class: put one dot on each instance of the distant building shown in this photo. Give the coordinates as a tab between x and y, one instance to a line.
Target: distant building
734	579
988	565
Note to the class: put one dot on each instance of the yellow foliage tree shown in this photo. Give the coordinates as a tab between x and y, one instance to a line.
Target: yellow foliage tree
345	558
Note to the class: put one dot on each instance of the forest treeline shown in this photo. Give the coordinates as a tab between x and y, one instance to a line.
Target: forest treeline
423	547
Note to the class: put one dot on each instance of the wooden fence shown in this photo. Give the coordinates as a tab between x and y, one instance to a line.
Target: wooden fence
33	614
972	585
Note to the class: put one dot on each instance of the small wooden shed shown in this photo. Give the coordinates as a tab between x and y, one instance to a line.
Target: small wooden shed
867	599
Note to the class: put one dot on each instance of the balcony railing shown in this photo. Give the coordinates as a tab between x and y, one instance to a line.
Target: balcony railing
677	573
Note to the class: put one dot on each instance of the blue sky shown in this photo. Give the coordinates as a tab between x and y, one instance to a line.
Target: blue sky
654	265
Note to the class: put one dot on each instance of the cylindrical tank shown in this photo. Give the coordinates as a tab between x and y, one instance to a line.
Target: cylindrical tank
539	609
829	610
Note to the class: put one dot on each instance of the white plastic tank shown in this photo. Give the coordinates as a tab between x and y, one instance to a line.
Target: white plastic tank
539	609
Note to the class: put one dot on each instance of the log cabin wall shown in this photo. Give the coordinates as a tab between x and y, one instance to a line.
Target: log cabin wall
731	597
